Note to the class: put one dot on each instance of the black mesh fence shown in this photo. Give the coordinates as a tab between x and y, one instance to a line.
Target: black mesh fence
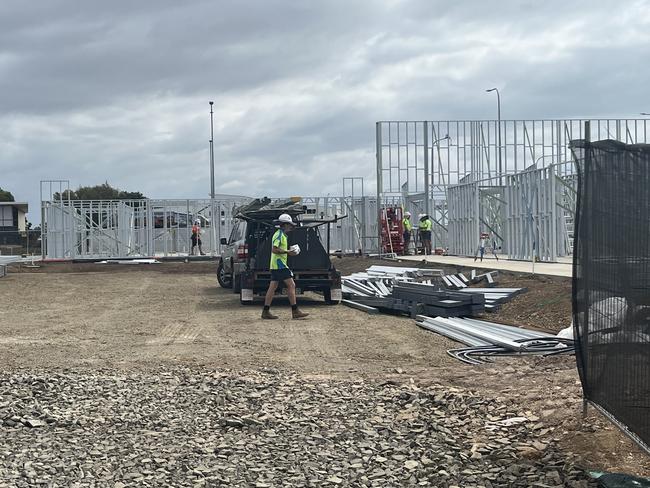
611	279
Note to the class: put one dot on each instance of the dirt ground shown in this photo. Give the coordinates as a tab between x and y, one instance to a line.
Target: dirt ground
135	317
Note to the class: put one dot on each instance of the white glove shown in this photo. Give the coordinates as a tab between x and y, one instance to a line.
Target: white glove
295	249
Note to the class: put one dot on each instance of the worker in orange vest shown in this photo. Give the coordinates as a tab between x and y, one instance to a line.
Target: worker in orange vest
196	237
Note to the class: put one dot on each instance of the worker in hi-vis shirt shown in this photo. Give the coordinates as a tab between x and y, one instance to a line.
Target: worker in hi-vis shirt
424	229
280	271
408	227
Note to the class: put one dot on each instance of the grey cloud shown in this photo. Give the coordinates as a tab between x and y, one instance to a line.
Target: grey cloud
118	91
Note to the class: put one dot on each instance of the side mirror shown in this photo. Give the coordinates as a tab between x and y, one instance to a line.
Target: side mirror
224	241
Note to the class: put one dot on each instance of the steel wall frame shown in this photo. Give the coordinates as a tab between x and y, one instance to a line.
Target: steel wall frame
532	217
354	206
528	212
47	189
463	224
78	229
415	158
359	228
132	228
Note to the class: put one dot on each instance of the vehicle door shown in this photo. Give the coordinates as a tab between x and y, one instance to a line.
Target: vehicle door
229	255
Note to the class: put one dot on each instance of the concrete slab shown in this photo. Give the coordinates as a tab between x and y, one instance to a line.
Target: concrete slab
563	268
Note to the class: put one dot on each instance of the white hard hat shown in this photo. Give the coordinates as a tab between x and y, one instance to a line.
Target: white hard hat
197	221
285	219
421	215
408	214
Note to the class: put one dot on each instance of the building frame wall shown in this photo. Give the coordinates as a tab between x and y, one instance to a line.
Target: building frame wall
114	229
419	161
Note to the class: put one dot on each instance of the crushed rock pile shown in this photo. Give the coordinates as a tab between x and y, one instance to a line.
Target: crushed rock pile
182	427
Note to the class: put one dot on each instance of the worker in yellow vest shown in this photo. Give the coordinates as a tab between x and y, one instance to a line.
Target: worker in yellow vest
424	229
280	252
406	224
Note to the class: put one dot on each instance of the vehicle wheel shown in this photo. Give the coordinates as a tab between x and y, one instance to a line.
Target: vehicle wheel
224	279
327	294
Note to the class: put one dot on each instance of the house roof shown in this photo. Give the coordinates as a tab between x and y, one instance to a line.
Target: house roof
22	206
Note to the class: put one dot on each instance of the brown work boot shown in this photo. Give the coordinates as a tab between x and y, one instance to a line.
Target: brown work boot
266	314
297	314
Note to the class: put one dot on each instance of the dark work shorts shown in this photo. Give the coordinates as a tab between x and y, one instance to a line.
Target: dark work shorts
425	235
281	274
195	240
406	235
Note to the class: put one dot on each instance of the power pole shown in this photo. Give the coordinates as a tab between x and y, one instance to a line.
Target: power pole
211	152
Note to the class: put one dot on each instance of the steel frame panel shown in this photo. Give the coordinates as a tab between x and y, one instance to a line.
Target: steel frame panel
403	148
416	163
464	213
526	215
132	228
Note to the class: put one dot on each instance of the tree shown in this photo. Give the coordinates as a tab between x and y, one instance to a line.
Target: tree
99	192
67	195
130	195
6	196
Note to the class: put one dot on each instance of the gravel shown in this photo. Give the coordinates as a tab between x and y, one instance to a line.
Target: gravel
185	427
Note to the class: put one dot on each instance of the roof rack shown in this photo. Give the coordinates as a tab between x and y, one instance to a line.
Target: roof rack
267	209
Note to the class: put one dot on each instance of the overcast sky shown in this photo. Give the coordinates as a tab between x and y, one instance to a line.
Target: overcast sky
118	91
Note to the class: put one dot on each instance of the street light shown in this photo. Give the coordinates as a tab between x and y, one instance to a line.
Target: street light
441	139
211	153
499	133
214	219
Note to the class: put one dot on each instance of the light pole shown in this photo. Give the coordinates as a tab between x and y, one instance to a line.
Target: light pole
499	132
211	153
214	220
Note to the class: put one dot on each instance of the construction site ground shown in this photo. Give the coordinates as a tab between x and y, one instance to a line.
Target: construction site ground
137	318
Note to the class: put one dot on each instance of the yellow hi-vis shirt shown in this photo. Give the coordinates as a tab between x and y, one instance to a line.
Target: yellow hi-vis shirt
407	224
425	224
279	261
